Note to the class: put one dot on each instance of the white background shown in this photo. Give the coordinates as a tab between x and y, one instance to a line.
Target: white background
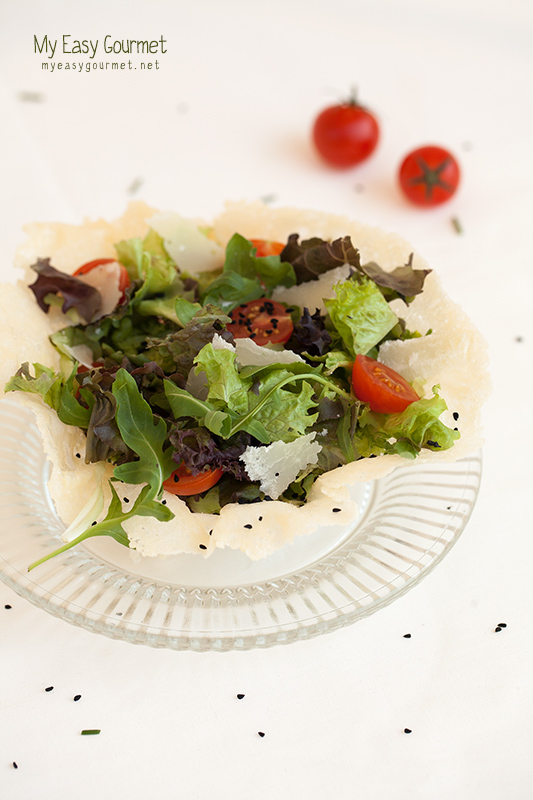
228	116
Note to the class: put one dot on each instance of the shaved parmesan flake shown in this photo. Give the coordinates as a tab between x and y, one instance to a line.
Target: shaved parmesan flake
186	244
250	354
220	344
105	278
279	464
311	293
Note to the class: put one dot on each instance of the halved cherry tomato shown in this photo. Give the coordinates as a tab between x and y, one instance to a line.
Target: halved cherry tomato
263	320
265	247
183	484
429	176
381	387
124	278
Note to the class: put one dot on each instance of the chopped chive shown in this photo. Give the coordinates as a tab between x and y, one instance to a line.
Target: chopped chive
457	225
90	732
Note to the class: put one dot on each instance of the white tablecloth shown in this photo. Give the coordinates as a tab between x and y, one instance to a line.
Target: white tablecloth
227	115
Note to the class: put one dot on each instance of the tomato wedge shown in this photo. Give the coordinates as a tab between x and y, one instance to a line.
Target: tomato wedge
381	387
265	247
263	320
124	278
183	484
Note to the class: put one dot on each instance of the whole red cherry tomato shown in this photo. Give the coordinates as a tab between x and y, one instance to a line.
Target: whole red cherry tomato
124	278
183	484
429	175
345	134
266	247
381	387
265	321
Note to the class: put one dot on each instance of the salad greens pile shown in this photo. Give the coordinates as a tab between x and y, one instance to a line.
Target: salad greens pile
137	399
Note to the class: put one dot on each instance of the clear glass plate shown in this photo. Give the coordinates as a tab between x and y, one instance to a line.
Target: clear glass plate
408	522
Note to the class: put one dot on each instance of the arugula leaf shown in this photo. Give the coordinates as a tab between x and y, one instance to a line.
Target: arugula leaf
143	434
146	436
360	314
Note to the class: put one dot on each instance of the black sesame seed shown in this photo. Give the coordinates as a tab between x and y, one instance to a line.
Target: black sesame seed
261	734
48	688
336	510
15	765
502	624
433	444
240	696
93	523
126	499
210	533
248	526
455	415
407	730
202	547
78	455
163	502
269	331
76	697
176	478
7	605
260	519
277	474
253	335
407	636
497	629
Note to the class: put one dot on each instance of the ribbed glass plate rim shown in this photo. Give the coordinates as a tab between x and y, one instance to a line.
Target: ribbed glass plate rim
414	516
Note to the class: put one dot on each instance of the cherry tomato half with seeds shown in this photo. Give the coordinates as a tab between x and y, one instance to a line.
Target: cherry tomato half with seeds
264	321
429	176
124	278
384	389
345	134
265	247
183	484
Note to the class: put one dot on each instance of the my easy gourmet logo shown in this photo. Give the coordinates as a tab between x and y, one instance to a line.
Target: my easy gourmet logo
101	54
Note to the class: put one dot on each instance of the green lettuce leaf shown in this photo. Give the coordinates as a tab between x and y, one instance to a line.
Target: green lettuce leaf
245	277
360	314
57	391
405	433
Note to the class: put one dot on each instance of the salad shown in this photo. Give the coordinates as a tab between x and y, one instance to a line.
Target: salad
223	386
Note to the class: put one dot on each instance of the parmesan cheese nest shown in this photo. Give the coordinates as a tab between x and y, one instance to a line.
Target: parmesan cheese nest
454	356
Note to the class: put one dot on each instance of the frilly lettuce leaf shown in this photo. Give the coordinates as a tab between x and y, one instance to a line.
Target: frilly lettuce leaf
405	433
75	294
360	314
